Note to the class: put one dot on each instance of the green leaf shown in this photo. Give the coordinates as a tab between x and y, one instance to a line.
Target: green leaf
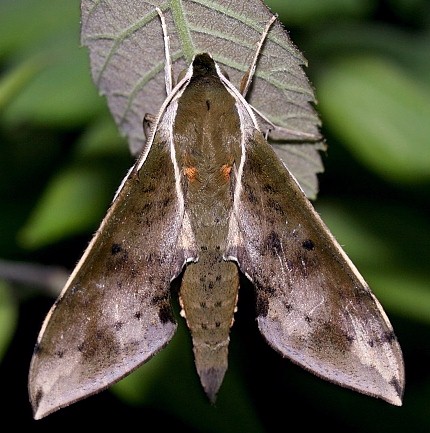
49	81
28	24
16	79
368	38
61	94
403	292
381	114
74	200
101	139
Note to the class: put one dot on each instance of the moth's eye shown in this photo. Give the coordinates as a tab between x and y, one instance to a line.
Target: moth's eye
181	75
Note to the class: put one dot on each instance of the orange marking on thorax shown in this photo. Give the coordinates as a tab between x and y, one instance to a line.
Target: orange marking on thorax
225	171
191	173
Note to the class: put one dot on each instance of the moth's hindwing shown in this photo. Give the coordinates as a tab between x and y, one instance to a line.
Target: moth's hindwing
114	313
312	304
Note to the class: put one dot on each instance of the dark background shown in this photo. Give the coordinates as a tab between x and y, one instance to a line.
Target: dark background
61	160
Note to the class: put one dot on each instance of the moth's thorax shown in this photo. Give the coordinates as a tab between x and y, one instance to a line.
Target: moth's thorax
207	128
207	137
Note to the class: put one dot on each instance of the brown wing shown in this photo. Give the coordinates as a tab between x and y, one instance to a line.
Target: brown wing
312	304
114	313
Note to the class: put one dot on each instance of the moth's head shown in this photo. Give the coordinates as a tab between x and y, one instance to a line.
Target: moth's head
203	66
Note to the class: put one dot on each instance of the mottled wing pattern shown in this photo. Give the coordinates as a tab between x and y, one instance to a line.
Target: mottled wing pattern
312	304
114	313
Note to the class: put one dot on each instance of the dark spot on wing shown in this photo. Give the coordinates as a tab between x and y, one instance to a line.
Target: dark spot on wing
164	310
263	293
59	353
350	338
144	214
388	337
264	288
218	304
149	188
75	289
290	264
165	314
138	315
308	245
118	325
308	319
262	305
251	196
166	201
146	207
58	301
268	188
37	349
208	104
288	307
217	324
119	259
396	385
273	243
160	299
38	397
275	205
116	248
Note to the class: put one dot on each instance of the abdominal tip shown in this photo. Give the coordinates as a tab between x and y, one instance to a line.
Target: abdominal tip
211	380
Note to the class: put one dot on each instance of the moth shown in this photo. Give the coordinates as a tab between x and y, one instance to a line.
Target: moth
209	198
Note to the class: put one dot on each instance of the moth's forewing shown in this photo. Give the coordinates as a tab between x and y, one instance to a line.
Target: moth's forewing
312	304
114	313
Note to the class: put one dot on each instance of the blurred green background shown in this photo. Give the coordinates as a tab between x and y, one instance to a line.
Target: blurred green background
61	160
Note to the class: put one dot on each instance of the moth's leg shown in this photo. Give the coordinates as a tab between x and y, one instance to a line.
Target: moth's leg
288	134
148	122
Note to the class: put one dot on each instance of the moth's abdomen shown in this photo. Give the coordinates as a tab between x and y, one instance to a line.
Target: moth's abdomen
208	298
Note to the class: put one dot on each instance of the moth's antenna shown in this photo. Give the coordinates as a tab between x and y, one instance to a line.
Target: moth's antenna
247	78
168	63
